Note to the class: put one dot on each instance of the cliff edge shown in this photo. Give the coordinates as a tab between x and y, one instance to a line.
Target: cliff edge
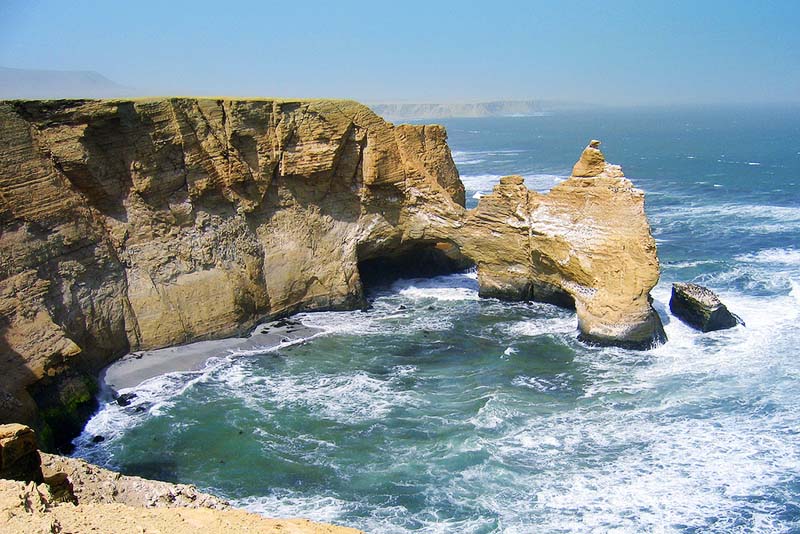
138	224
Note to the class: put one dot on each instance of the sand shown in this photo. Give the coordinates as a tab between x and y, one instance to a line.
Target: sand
133	369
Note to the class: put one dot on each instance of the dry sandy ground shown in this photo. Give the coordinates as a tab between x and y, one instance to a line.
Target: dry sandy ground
23	509
112	503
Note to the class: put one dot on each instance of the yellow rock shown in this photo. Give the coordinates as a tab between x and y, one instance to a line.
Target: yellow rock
138	224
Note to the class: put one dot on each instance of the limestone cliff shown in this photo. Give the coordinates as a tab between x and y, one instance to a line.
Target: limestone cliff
133	224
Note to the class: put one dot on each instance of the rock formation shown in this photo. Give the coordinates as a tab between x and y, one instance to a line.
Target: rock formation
76	496
586	244
700	308
138	224
19	454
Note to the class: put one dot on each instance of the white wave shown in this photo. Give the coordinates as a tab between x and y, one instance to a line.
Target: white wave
484	183
266	349
752	218
494	413
747	212
405	370
769	322
786	256
544	384
153	398
449	288
689	264
346	398
562	323
288	504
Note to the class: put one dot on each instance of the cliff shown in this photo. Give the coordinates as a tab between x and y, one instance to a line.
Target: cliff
136	224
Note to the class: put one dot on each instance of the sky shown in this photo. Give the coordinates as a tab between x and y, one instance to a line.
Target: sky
605	52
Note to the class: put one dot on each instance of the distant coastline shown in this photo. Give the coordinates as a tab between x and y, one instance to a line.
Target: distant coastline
442	110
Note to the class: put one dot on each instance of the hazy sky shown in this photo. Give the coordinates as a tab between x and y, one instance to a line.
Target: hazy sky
612	52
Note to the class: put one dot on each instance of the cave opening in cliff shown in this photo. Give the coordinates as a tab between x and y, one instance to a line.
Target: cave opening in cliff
416	260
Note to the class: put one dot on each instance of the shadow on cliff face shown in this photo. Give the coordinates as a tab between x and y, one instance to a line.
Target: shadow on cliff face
15	406
415	260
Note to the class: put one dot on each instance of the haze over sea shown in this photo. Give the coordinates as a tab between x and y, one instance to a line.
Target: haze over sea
437	411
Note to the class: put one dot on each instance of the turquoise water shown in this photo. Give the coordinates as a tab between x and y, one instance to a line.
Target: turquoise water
436	411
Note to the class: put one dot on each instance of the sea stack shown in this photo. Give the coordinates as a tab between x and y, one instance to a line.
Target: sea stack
586	244
700	308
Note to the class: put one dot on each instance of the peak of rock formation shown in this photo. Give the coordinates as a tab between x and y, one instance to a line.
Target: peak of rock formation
592	161
138	224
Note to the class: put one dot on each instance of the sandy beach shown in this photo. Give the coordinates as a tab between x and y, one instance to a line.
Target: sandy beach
136	367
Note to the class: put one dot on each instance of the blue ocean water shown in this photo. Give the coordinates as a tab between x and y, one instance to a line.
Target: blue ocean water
437	411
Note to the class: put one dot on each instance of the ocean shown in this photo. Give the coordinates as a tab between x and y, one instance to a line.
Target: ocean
437	411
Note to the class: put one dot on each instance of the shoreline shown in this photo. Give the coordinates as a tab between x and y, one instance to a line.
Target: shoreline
136	367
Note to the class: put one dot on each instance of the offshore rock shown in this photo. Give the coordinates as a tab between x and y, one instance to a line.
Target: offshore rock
586	244
138	224
700	308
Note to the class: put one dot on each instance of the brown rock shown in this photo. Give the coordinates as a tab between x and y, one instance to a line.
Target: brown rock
139	224
592	161
27	508
586	244
19	455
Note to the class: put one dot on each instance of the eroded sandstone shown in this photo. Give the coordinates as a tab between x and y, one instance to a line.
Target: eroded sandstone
138	224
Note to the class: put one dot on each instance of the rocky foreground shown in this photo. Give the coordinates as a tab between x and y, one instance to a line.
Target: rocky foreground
138	224
46	493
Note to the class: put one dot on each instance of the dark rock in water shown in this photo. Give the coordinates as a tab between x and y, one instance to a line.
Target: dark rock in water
98	439
700	308
125	399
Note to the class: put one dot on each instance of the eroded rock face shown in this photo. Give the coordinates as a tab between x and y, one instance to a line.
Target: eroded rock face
585	244
132	225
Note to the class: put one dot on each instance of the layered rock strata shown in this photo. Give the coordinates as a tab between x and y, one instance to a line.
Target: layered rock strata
138	224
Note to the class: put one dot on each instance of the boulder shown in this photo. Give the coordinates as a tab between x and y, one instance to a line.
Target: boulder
700	308
19	455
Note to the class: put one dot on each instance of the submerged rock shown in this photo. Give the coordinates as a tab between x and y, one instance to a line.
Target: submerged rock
126	398
700	308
